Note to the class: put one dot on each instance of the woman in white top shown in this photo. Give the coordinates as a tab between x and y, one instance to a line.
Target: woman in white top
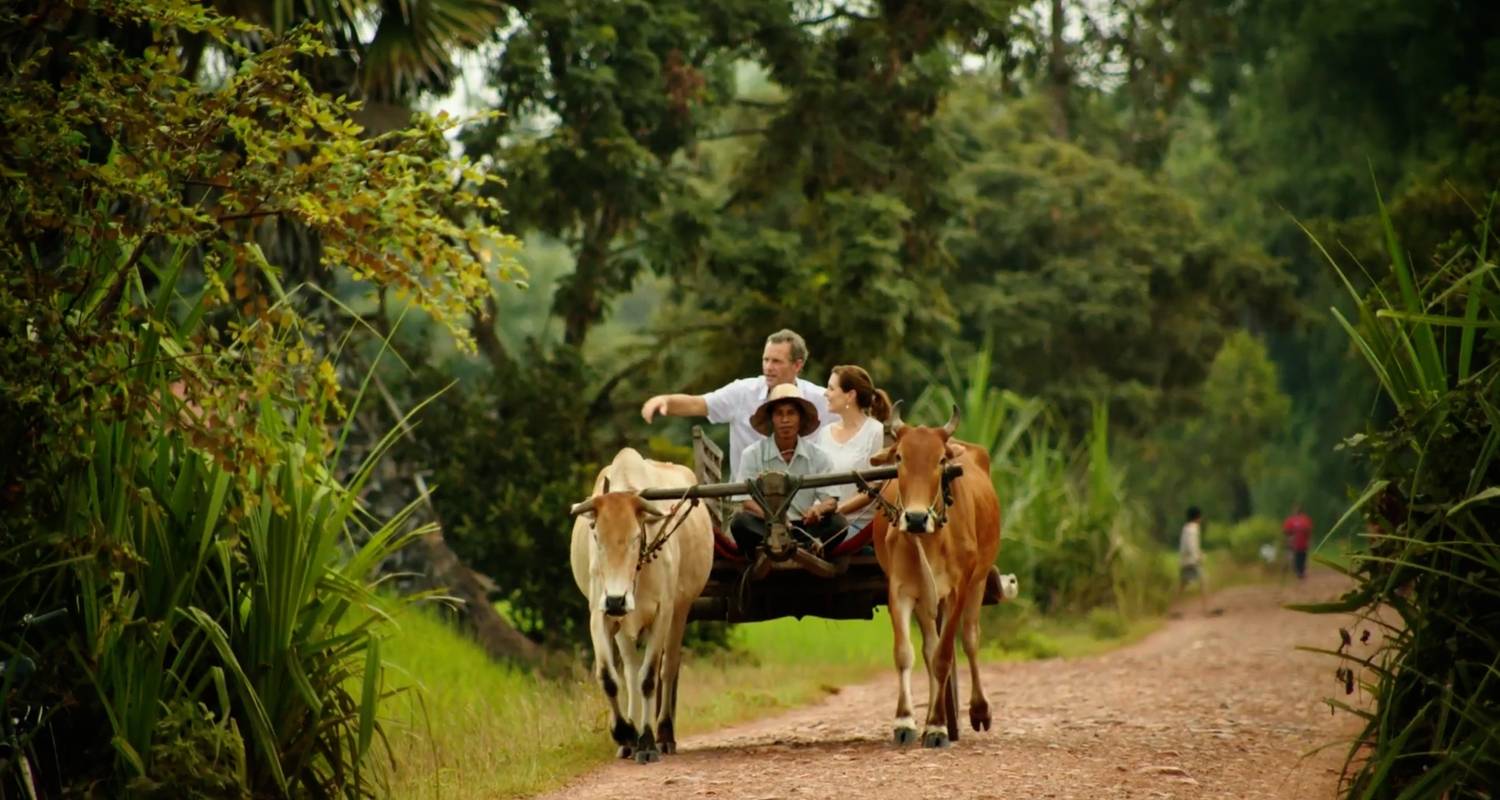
857	435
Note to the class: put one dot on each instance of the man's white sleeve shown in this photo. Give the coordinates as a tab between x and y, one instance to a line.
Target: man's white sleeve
725	402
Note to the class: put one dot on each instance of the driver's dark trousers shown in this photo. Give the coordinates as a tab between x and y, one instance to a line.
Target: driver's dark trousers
749	531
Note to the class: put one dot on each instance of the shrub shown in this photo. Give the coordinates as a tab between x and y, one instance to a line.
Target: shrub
1244	539
175	492
1107	623
1070	532
1432	564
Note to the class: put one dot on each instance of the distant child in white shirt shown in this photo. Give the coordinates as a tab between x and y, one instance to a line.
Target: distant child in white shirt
1190	555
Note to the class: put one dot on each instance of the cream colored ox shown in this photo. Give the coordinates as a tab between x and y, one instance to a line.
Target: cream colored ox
936	552
640	564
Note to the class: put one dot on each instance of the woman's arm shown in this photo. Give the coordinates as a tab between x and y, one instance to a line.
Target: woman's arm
855	502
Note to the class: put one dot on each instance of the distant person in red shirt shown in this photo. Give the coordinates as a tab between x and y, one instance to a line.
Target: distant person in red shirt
1298	530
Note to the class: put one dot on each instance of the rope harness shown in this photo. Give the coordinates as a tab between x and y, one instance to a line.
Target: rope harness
649	552
892	511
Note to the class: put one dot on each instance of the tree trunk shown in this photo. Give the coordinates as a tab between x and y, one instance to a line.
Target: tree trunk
1243	501
488	341
1059	76
499	639
583	303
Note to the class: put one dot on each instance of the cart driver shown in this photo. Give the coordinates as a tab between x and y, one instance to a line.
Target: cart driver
784	418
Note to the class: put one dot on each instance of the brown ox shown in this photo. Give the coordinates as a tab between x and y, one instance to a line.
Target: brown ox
640	593
936	555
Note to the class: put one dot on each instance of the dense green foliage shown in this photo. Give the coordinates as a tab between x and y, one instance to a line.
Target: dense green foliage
1434	560
1093	207
495	472
1070	531
1095	282
1117	243
169	479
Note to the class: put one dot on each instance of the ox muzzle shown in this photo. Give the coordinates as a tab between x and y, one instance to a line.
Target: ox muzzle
617	605
918	522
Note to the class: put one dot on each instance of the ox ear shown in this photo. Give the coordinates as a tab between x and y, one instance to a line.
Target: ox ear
955	450
894	424
884	457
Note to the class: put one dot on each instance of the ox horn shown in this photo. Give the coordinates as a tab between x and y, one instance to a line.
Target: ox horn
952	424
587	506
650	512
894	423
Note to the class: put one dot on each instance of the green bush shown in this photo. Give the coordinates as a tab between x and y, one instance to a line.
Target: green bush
1245	538
176	495
1431	576
1107	623
1069	530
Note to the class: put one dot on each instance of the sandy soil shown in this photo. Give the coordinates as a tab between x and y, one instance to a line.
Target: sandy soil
1213	705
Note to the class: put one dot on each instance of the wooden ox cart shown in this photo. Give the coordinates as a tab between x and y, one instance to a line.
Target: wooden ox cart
783	578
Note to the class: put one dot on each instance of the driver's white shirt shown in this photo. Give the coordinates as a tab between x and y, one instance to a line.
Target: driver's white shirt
808	459
734	402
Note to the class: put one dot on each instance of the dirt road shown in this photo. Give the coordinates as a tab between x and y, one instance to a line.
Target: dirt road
1210	706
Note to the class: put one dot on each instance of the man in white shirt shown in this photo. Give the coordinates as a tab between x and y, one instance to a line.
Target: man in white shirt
780	362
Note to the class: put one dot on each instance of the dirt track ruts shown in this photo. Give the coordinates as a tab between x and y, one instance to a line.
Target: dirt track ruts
1209	706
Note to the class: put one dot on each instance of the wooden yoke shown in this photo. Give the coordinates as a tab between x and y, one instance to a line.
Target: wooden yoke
776	487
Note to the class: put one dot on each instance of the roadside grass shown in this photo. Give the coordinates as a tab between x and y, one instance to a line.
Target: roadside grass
463	726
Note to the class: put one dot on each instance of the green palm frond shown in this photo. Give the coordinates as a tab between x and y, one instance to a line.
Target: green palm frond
415	43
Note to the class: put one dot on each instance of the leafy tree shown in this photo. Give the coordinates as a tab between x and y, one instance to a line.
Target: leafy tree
831	217
510	454
598	99
1430	575
1095	282
386	53
1310	99
1244	410
1217	455
170	477
1324	91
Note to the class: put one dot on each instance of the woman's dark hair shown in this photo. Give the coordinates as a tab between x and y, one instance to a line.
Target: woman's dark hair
875	402
1193	513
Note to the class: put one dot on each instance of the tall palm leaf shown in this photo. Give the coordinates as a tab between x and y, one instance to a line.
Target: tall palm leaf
389	51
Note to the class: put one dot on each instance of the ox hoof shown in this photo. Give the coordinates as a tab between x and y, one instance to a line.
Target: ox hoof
979	717
624	734
905	736
624	751
936	739
668	748
647	756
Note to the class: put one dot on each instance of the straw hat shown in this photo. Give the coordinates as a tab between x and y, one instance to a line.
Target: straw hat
785	393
